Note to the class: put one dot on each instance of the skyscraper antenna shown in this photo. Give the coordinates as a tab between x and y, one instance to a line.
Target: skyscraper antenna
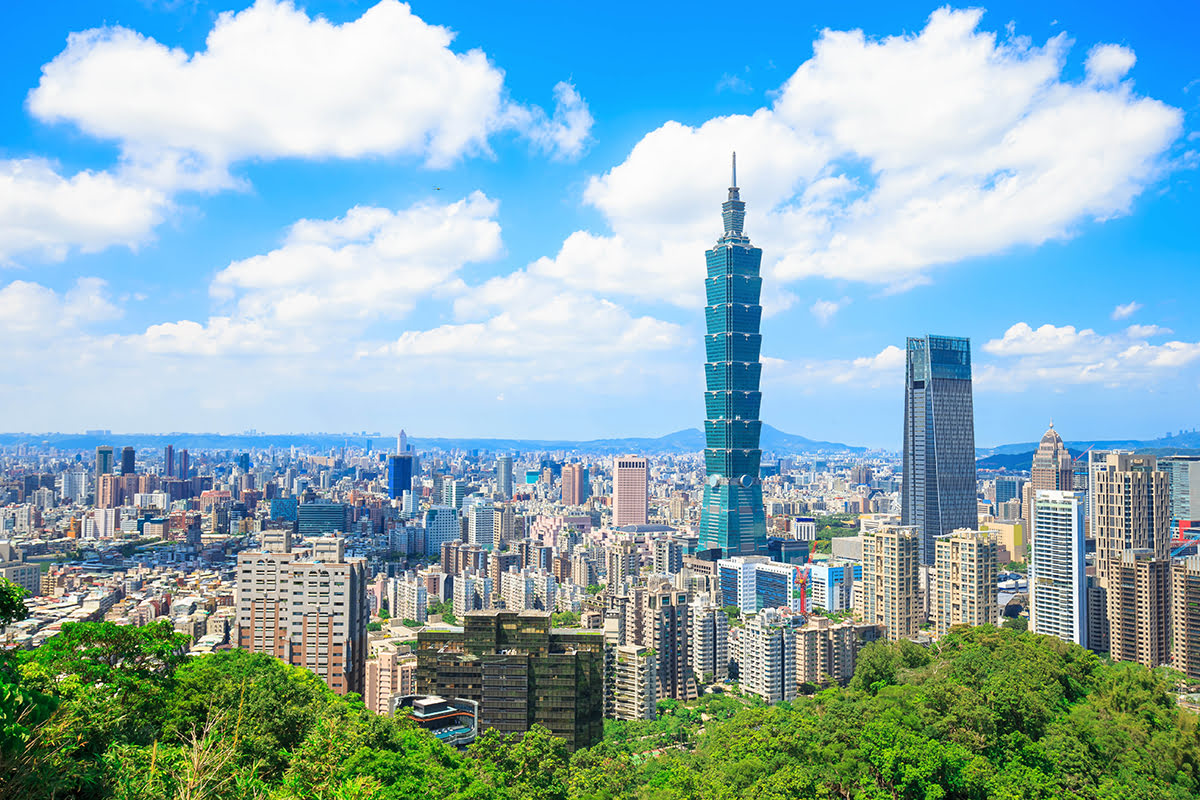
734	178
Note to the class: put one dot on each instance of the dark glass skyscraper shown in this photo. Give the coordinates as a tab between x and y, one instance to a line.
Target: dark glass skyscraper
400	474
732	518
938	492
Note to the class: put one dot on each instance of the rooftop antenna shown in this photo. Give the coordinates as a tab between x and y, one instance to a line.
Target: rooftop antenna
734	178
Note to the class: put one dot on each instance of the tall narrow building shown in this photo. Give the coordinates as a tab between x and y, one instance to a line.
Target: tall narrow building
890	581
938	487
631	492
1057	584
1052	469
732	517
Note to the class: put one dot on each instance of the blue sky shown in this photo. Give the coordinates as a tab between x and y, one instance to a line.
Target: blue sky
464	221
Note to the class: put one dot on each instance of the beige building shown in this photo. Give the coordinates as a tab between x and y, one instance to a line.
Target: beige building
1185	617
631	499
825	651
389	673
1132	515
307	607
890	580
1011	541
15	569
634	683
964	591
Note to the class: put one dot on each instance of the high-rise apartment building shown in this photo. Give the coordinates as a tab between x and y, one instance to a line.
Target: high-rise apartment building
825	651
104	461
520	672
1185	616
1057	583
890	571
965	580
664	629
622	562
481	525
764	650
710	643
938	492
574	484
732	517
306	607
634	692
504	476
389	673
631	498
1132	515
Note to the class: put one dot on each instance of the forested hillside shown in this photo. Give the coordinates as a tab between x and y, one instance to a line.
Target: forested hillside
109	712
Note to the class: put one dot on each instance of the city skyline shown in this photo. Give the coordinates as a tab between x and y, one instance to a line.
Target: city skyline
252	263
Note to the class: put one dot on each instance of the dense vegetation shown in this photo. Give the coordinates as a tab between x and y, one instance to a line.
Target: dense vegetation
103	711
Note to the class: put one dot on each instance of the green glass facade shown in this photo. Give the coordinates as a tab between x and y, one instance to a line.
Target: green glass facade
732	516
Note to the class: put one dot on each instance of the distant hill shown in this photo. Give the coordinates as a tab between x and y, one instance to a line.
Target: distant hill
689	440
1184	440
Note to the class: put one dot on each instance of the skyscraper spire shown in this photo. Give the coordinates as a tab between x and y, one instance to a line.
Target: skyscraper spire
733	210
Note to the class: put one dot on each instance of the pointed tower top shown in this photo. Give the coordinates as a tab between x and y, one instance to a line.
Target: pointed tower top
733	209
733	180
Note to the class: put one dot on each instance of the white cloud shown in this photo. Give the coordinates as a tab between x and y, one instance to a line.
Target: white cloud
522	328
1062	355
1127	310
31	309
338	275
273	82
45	214
885	368
1109	63
879	160
824	310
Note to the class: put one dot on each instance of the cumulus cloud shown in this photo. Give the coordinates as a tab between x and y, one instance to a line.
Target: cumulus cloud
29	308
273	82
1127	310
1108	63
1051	354
45	214
881	159
339	274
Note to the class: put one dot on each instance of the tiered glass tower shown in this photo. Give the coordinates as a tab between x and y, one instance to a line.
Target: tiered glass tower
732	518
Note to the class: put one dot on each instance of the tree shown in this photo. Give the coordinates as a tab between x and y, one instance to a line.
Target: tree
125	658
12	602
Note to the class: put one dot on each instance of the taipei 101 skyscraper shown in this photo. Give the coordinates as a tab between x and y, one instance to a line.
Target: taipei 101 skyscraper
732	518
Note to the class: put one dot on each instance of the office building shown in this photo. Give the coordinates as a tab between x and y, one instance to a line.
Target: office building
104	461
307	607
169	461
965	590
1057	584
322	519
1052	469
1183	486
504	477
732	518
574	484
453	493
831	584
127	461
890	570
710	643
631	500
183	464
634	683
1185	616
441	526
1008	488
938	488
519	672
399	475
